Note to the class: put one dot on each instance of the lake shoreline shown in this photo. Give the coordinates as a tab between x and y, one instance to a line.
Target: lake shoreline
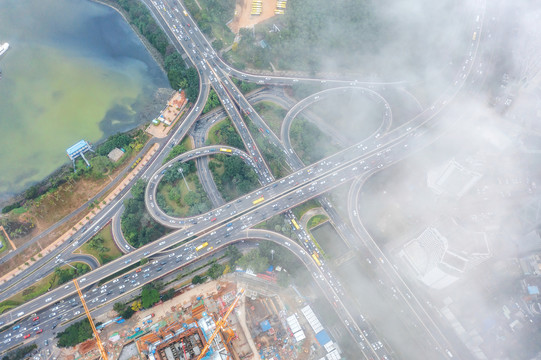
159	99
153	52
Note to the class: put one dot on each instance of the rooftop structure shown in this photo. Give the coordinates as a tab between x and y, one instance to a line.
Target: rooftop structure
452	179
321	335
77	150
438	260
295	328
115	154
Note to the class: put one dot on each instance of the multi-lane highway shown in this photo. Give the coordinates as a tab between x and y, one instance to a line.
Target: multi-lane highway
231	222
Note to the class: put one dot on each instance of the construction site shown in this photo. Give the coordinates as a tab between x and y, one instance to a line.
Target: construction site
238	318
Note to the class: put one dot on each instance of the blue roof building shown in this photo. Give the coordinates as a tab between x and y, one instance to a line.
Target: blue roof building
322	338
265	325
78	150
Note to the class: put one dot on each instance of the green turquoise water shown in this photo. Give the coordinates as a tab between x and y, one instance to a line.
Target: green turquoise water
75	70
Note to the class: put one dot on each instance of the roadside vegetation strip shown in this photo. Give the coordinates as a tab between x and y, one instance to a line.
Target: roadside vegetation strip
309	142
272	113
60	276
301	209
316	220
245	87
180	148
102	246
19	352
272	155
224	133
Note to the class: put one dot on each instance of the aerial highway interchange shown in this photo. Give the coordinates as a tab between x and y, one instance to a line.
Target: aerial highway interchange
231	222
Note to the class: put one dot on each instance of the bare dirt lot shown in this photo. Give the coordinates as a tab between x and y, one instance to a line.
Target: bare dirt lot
243	19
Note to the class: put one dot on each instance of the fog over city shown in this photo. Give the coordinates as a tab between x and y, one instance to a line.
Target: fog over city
459	215
369	172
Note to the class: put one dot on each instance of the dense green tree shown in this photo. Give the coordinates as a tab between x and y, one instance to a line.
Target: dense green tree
233	253
119	307
137	225
149	296
20	353
168	295
198	279
216	270
75	334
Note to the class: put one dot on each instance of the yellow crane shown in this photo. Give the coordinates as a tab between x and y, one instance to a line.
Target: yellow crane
220	324
100	346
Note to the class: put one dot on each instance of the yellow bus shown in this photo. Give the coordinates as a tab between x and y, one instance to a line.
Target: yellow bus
202	246
225	150
474	36
316	259
257	201
295	224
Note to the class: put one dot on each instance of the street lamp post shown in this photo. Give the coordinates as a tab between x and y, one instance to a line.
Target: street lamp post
181	171
68	264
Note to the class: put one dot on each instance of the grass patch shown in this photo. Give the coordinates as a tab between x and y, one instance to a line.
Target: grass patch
299	210
182	198
272	113
224	133
274	157
4	242
104	251
179	208
8	304
19	210
316	220
182	147
309	142
279	224
236	179
245	86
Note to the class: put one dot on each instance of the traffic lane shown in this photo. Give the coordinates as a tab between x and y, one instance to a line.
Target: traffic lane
61	254
396	282
118	236
340	154
151	188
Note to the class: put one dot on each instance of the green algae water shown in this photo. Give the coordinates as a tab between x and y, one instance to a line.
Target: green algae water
74	70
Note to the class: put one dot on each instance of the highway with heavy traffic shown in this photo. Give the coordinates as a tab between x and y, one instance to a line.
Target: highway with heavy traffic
230	222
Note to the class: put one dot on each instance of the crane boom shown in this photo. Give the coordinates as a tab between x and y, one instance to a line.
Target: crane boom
100	346
220	323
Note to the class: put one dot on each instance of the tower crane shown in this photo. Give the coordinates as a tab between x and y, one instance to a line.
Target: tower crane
220	324
100	345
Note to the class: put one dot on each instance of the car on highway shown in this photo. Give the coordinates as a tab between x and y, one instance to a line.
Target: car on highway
27	336
39	331
36	318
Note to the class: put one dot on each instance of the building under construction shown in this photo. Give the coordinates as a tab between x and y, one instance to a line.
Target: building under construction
200	337
183	341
